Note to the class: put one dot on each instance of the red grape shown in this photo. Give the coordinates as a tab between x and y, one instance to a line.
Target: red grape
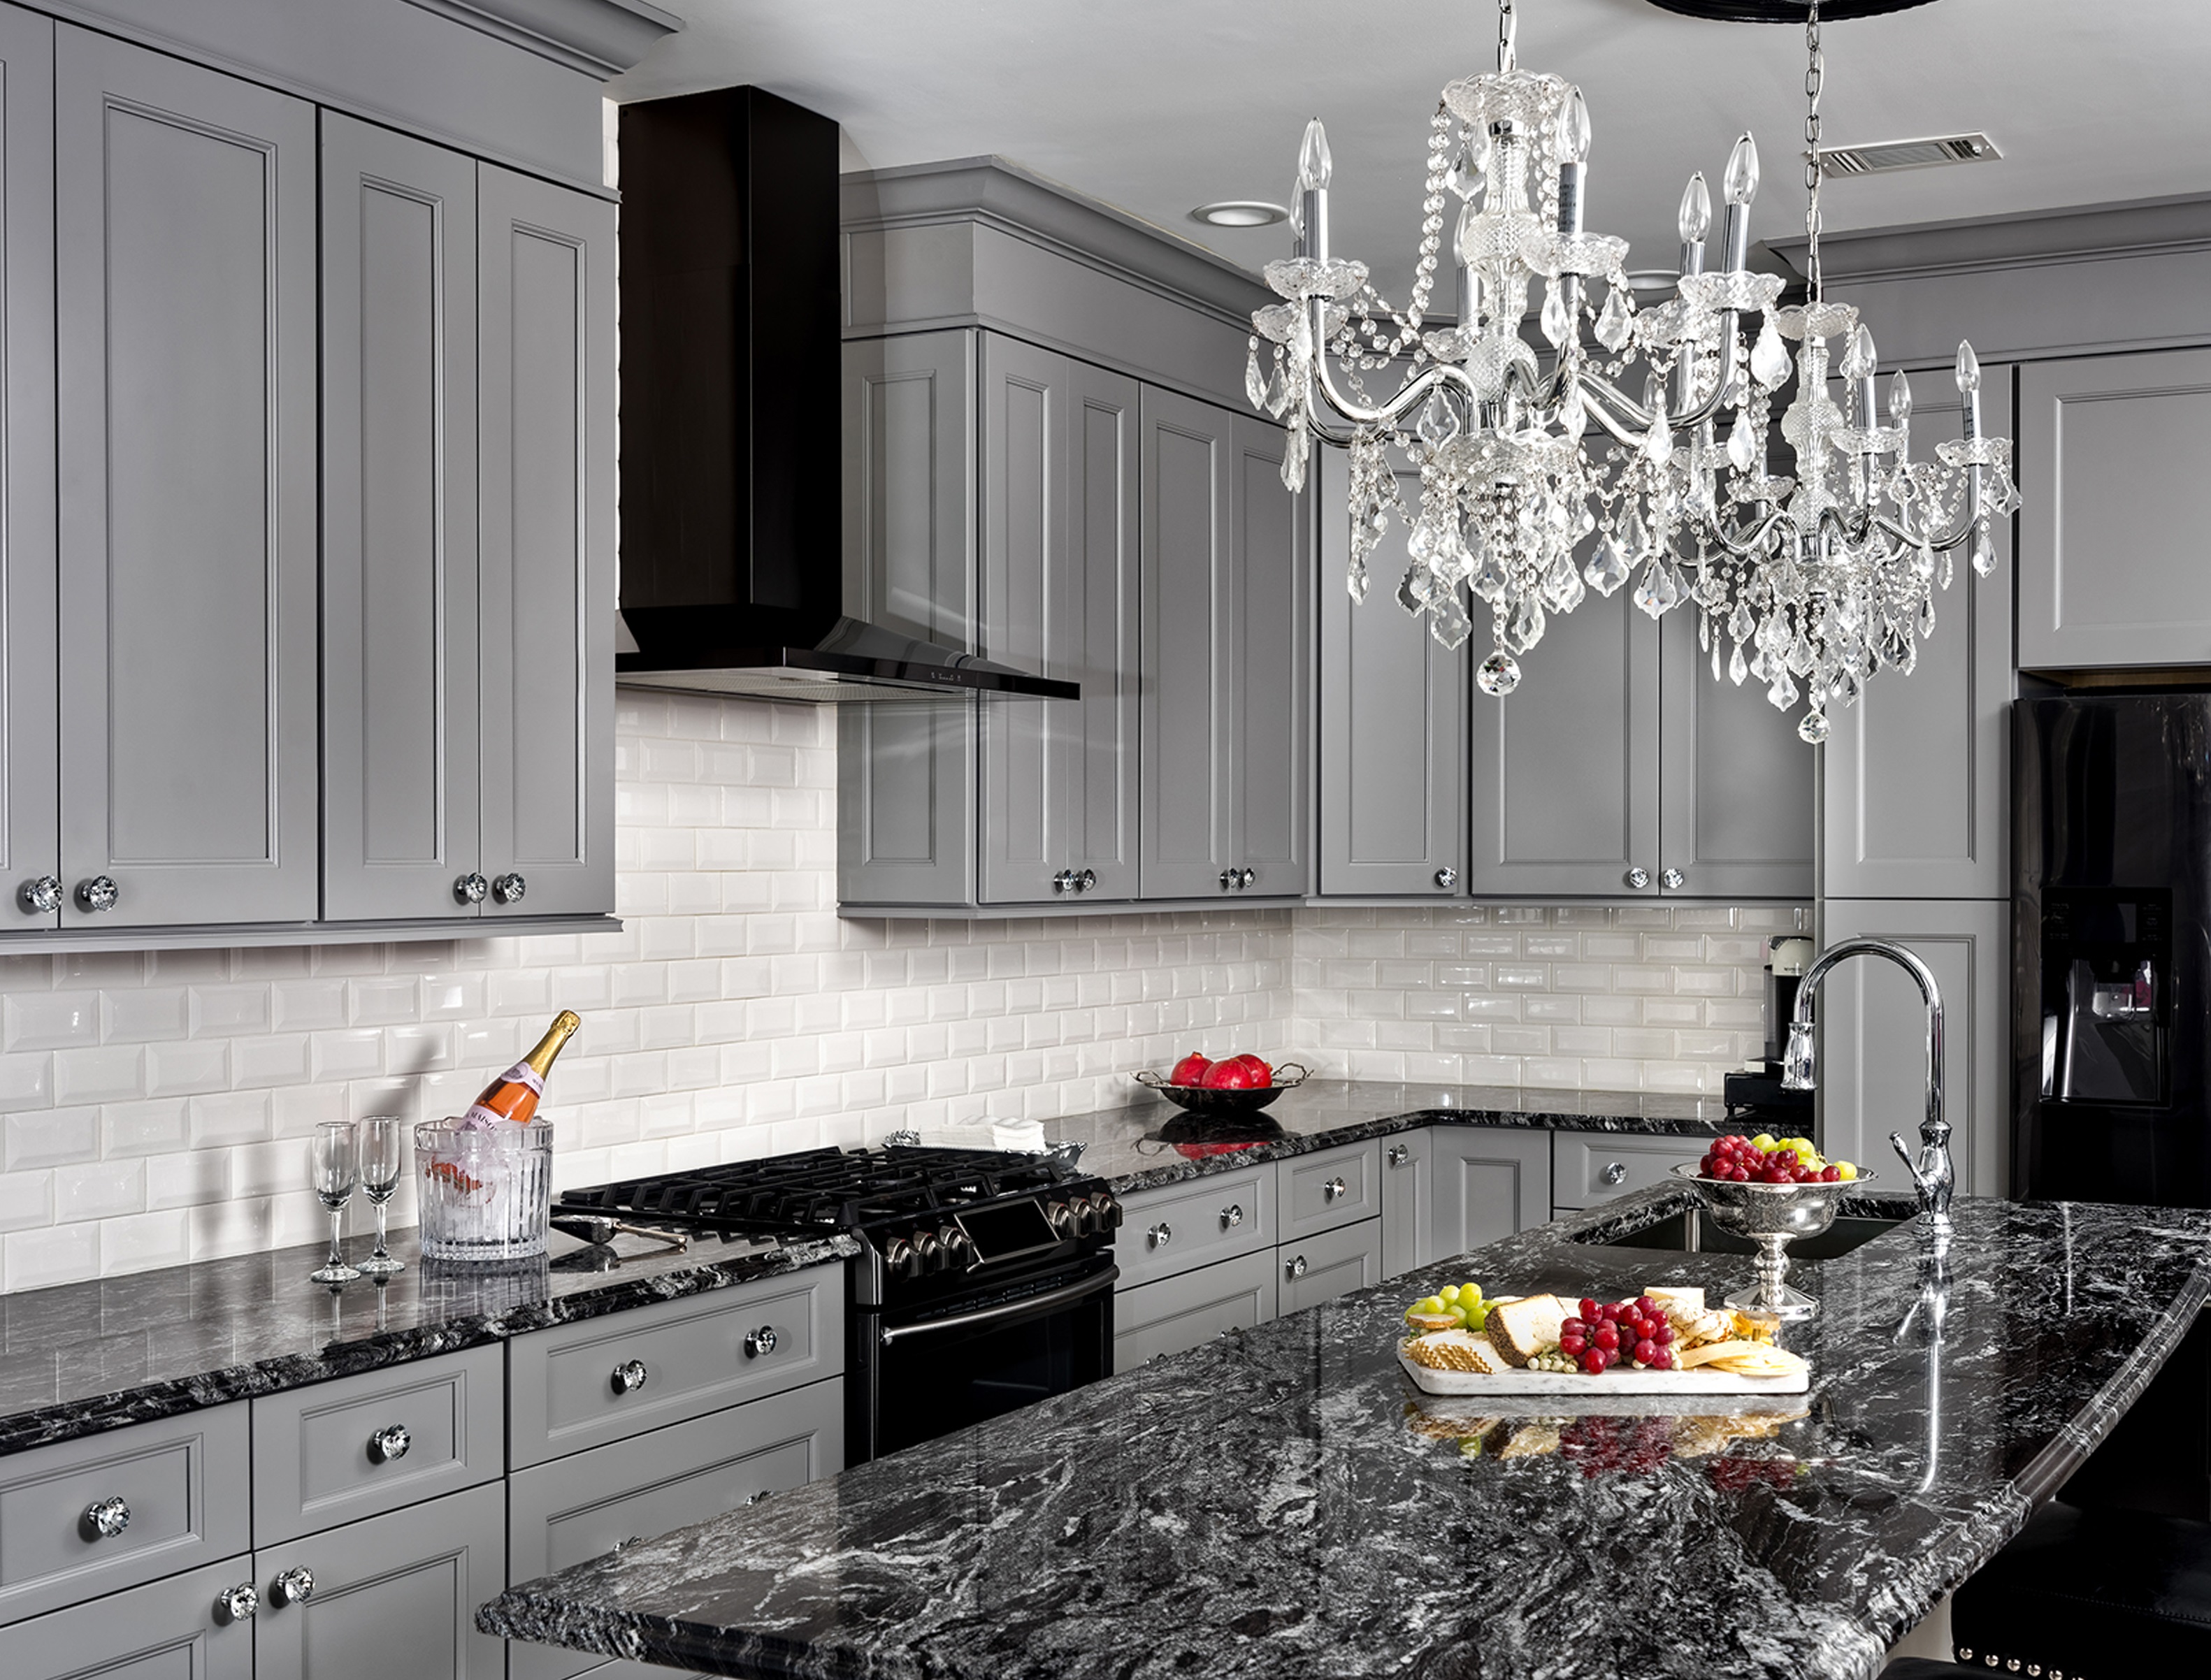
1589	1309
1646	1352
1607	1336
1593	1362
1572	1343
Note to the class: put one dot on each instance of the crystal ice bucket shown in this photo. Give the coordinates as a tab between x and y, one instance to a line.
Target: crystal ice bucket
484	1195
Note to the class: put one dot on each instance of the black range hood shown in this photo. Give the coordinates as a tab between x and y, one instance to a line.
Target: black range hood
732	545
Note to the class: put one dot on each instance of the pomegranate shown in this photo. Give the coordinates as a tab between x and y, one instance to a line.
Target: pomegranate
1189	1071
1237	1073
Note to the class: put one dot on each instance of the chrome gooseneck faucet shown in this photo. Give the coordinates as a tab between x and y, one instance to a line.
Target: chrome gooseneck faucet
1932	1171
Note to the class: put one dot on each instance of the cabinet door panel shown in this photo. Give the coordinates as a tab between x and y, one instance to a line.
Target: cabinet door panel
1408	1213
1735	790
1566	767
30	826
185	252
400	653
1154	1319
1488	1184
1320	1268
1272	622
1099	633
1913	788
546	394
1393	717
169	1630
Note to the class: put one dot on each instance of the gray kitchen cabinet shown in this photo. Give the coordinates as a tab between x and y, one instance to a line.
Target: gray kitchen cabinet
1489	1183
1178	1227
1224	646
1193	1308
185	255
393	1595
1735	781
1330	1188
1873	1070
545	331
171	1630
1321	1267
1393	722
1564	795
400	653
1408	1217
906	771
30	831
1591	1167
1058	598
2111	450
1913	790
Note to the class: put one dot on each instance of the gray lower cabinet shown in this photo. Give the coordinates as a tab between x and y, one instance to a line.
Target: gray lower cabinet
1408	1214
1591	1167
545	414
171	1630
1914	803
2109	449
1735	781
1391	789
400	656
1489	1183
1192	1223
594	1502
1193	1308
185	255
1873	1070
394	1595
1330	1188
1320	1267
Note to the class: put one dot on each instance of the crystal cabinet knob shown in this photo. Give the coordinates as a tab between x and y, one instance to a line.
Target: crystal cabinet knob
1160	1235
1228	879
1294	1268
1086	880
1447	878
389	1444
1231	1216
470	888
1399	1154
1334	1188
1616	1172
237	1603
508	889
107	1518
1063	881
759	1343
1639	879
40	896
98	894
1671	879
629	1376
1245	877
293	1587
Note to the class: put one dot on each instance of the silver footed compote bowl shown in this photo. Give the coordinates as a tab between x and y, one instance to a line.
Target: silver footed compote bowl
1772	1215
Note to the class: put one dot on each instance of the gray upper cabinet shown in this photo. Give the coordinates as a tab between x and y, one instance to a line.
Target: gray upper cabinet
1566	767
2110	564
545	325
1735	782
1913	791
185	260
1393	722
1059	598
400	654
1271	621
30	827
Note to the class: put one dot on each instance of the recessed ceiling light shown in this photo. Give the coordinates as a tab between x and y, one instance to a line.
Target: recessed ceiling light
1239	212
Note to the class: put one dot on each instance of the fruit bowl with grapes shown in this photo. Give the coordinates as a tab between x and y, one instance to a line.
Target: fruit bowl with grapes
1771	1191
1233	1087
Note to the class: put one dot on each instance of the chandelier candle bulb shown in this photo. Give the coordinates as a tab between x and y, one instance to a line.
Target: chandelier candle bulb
1740	185
1314	168
1695	221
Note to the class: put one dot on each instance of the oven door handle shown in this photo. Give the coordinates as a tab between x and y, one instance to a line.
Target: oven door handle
1058	1297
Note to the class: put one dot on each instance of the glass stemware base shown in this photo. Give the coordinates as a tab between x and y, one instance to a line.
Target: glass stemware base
382	1265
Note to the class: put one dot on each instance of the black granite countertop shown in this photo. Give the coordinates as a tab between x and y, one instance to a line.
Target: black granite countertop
1283	1504
83	1357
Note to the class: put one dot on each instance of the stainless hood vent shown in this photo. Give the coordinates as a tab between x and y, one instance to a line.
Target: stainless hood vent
732	561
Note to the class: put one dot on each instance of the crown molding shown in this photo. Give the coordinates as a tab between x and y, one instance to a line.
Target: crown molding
2036	238
600	37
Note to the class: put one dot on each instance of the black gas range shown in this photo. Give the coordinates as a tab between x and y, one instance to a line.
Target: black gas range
985	1279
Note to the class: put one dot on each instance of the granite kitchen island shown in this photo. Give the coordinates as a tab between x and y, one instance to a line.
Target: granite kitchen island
1283	1505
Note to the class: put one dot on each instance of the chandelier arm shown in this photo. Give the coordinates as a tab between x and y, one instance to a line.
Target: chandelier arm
1392	409
1626	434
1610	397
1751	541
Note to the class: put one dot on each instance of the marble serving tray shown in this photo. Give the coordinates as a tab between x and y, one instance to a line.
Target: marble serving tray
1621	1381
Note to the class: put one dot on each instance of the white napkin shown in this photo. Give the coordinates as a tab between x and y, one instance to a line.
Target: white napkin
1022	1135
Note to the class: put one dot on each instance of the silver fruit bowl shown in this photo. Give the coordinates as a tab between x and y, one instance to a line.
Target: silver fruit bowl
1773	1216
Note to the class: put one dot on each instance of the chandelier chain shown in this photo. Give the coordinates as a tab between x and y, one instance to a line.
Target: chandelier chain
1813	69
1508	27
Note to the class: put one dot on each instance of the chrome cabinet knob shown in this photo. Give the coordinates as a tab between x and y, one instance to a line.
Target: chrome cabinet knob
1228	878
1231	1216
1639	879
1399	1154
1245	877
759	1343
98	894
1295	1268
389	1443
629	1376
1063	881
40	896
1086	880
1159	1234
1334	1188
1671	879
1447	878
508	889
1616	1172
105	1518
470	888
237	1603
293	1587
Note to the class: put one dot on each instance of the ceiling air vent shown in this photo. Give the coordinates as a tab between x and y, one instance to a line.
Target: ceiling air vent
1883	157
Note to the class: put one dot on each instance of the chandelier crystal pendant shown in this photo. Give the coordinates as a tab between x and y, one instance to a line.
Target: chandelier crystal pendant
1823	577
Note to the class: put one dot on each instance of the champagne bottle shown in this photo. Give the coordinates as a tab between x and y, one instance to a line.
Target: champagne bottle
513	1094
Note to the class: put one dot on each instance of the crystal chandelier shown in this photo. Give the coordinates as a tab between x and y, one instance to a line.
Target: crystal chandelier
1823	577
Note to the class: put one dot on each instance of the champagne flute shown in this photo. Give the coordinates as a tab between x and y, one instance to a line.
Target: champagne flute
333	1168
378	1136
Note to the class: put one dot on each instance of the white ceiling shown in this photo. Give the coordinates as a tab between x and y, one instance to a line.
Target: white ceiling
1157	105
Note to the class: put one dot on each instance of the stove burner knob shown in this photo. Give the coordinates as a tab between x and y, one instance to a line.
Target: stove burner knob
929	1250
900	1258
1061	1218
959	1251
1087	1222
1107	1210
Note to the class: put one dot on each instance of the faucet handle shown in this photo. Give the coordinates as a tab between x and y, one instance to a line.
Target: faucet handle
1904	1153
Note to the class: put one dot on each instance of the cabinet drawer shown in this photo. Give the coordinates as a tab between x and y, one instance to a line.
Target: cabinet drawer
182	1480
370	1443
1336	1187
1190	1310
1592	1167
168	1630
1194	1224
571	1388
562	1513
1321	1267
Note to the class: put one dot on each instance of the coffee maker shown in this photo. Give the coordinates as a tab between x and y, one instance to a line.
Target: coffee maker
1755	1096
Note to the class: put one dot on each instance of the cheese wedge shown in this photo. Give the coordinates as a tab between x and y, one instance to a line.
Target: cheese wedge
1677	1303
1521	1329
1688	1359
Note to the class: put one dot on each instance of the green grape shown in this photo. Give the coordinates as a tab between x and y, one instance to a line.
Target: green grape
1470	1294
1478	1319
1458	1313
1448	1294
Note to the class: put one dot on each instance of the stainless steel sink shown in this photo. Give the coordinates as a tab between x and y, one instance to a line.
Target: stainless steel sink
1686	1233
